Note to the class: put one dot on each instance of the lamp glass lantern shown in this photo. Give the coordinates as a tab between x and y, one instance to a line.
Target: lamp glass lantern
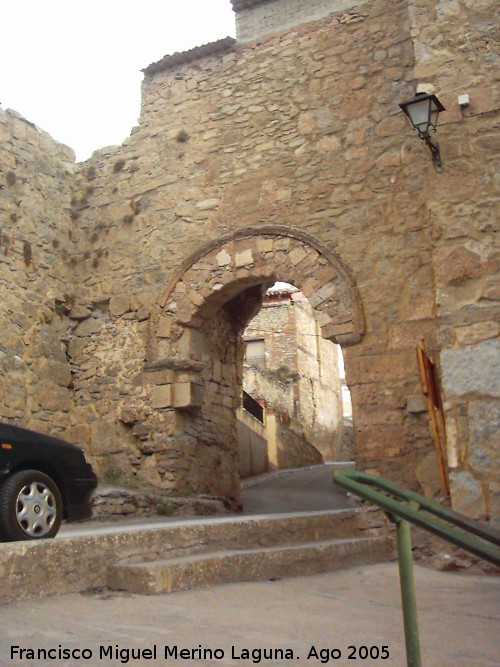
423	111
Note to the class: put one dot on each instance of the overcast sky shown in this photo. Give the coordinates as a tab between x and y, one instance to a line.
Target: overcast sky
72	67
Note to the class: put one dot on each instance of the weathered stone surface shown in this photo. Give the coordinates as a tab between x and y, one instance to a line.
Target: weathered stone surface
467	495
484	433
416	403
472	369
89	327
79	563
79	312
51	345
460	264
427	474
244	258
475	333
106	437
118	305
57	371
161	396
187	395
53	398
223	258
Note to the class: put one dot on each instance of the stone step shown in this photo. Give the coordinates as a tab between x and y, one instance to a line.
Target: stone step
242	532
207	569
80	560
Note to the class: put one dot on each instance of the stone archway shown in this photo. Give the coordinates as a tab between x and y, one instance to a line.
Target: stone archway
196	349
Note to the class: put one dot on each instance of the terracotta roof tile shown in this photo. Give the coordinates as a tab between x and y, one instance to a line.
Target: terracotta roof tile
176	59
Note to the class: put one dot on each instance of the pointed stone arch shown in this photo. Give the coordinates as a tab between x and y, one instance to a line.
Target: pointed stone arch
195	357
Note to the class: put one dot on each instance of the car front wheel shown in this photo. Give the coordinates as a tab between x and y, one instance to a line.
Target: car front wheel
30	507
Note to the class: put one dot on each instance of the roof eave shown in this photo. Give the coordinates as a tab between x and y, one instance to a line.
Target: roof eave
181	58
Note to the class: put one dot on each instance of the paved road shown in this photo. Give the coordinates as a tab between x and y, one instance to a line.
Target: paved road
459	618
299	490
297	621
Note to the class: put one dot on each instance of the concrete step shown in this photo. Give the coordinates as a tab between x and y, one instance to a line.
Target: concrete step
242	532
207	569
81	560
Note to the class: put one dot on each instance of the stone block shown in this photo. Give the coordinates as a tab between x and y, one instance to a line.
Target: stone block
416	403
377	368
472	368
265	245
223	258
89	327
79	434
244	258
164	327
484	434
187	395
51	345
79	312
323	294
208	204
297	255
467	494
53	371
331	330
475	333
54	398
458	265
106	437
161	396
119	305
427	474
193	344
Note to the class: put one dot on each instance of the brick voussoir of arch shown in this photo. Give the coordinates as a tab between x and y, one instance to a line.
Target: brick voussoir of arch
265	254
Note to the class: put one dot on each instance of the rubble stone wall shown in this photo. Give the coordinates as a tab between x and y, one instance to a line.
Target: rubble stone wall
293	451
300	361
276	324
319	393
456	51
35	232
271	16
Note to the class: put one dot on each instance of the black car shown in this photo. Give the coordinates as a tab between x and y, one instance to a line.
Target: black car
43	480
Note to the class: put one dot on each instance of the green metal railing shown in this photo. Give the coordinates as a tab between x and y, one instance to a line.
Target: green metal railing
404	507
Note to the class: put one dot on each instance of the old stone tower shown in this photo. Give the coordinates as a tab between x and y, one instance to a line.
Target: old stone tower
126	281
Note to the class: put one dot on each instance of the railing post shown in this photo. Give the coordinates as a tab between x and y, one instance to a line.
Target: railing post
408	597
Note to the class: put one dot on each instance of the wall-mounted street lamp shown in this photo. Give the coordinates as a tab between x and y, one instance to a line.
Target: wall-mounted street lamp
423	111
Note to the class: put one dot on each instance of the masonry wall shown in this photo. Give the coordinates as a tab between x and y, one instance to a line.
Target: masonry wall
300	129
296	132
277	325
252	446
298	362
35	232
455	50
257	19
319	394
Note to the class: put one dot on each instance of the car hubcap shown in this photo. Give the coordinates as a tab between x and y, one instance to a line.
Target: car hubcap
36	509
